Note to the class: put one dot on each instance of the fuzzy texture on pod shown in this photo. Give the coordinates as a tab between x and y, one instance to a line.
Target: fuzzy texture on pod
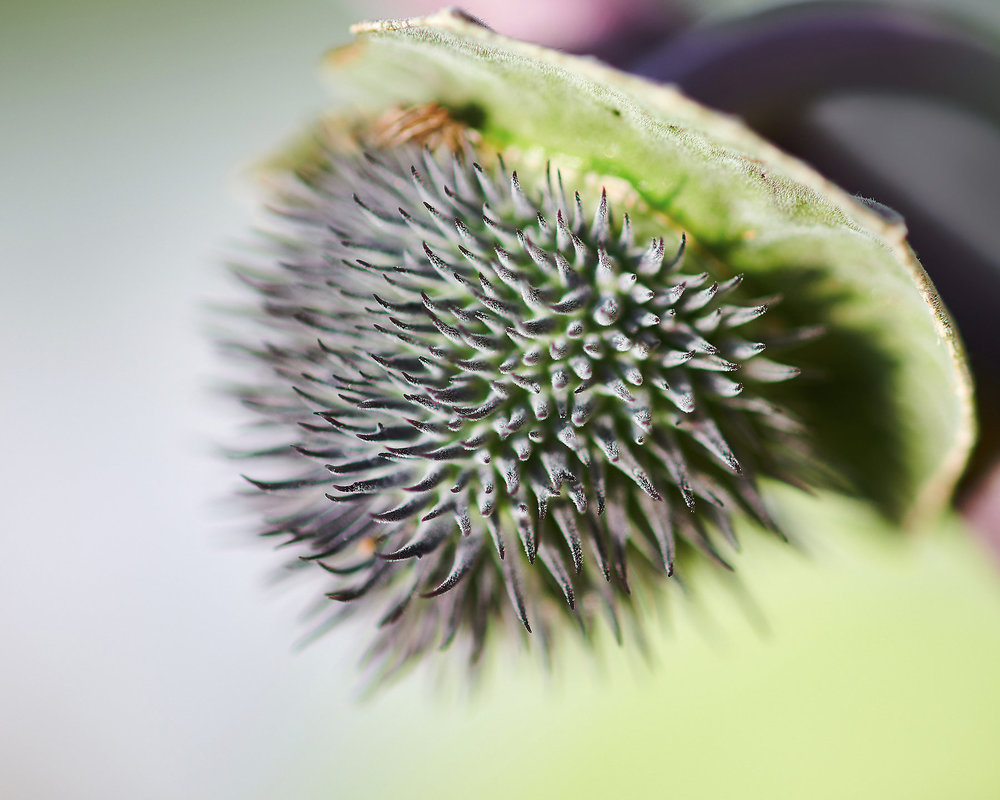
496	396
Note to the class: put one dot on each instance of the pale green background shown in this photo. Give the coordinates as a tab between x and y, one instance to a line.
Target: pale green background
144	654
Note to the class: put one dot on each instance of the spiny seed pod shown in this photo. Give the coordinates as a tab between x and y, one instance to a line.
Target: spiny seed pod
492	363
509	387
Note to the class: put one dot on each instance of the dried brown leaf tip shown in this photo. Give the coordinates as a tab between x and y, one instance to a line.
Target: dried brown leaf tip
427	125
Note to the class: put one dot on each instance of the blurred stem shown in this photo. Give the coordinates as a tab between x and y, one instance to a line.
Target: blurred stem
769	66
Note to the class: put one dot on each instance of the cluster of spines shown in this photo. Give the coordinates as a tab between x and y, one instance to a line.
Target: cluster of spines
491	364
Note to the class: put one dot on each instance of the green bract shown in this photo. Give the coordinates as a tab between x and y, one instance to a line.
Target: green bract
480	335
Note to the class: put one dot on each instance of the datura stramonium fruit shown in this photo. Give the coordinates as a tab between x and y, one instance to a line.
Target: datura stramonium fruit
531	333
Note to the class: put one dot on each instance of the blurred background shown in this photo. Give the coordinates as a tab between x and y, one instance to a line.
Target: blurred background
148	652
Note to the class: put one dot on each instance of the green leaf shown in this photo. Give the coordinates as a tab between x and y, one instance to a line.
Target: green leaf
890	400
